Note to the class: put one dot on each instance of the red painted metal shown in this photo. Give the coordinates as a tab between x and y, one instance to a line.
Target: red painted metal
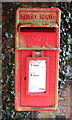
37	30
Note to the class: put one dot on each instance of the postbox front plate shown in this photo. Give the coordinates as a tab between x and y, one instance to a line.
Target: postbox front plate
37	59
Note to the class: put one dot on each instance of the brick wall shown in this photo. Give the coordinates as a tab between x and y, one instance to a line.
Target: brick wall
64	105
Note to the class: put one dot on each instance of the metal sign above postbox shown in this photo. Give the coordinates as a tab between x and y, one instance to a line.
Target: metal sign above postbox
37	43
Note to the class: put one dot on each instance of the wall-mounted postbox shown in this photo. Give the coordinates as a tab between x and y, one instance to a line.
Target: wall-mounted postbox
37	44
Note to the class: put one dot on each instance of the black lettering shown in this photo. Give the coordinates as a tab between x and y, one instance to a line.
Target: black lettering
35	65
36	75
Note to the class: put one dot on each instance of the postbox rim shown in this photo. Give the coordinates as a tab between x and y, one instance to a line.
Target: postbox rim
38	8
35	26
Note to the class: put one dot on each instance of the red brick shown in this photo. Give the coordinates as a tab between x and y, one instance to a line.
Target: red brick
65	102
66	92
66	110
4	18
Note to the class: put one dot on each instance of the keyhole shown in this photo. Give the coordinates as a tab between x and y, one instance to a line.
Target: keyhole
24	78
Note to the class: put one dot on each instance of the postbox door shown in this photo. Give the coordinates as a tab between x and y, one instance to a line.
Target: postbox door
43	94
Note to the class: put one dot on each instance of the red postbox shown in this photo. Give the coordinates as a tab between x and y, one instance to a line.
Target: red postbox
37	47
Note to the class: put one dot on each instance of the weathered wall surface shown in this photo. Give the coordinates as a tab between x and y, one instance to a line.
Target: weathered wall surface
64	105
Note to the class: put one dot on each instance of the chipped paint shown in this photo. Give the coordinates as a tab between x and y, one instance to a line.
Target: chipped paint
38	48
35	17
37	108
36	29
